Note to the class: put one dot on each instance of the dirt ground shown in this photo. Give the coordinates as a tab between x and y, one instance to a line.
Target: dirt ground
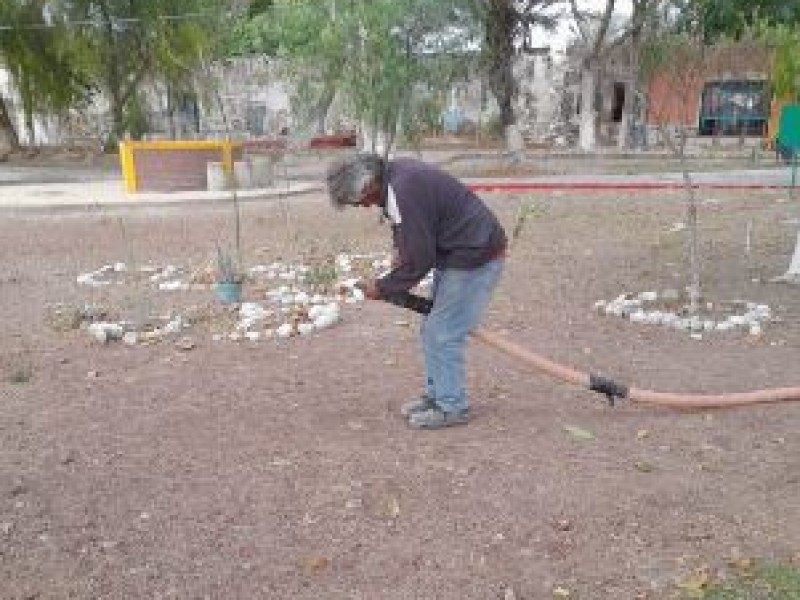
281	468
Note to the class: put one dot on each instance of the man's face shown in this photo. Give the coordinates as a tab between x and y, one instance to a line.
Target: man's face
371	196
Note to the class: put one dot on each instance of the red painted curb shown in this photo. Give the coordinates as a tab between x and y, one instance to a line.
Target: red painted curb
597	186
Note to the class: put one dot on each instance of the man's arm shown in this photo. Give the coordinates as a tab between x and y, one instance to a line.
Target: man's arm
415	244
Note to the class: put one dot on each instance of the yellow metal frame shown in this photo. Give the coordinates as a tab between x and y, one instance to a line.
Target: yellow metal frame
128	149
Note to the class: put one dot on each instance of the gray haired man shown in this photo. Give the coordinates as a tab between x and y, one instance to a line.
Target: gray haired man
437	223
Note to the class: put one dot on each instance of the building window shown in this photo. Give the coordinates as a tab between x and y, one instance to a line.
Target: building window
734	107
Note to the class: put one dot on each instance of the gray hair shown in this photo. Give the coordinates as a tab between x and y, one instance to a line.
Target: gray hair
348	177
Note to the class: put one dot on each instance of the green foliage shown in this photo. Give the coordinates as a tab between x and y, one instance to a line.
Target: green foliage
370	53
734	18
126	43
785	69
769	582
503	22
21	375
671	54
46	66
322	276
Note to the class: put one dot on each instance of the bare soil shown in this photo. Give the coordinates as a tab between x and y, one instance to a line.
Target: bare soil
281	469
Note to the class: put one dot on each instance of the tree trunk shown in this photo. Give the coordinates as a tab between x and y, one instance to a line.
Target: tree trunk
9	140
792	274
794	267
623	135
693	243
640	9
30	128
323	106
499	56
586	135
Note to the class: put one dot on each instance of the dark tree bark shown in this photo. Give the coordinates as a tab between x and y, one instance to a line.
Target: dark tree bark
500	27
8	134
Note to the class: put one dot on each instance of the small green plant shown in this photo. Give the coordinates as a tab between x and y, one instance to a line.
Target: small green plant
526	211
322	276
21	375
227	270
764	582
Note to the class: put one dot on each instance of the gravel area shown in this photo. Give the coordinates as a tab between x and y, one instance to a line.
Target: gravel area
280	468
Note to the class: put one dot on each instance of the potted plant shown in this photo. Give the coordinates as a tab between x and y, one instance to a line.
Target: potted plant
229	280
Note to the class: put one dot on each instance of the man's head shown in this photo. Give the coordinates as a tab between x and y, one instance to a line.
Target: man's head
356	181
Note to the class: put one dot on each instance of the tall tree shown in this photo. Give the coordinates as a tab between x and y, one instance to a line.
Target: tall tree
785	75
733	18
43	62
370	53
507	24
678	62
599	35
130	42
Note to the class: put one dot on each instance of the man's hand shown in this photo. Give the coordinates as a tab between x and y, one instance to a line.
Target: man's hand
370	289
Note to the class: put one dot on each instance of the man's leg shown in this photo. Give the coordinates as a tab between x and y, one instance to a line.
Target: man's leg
426	401
460	300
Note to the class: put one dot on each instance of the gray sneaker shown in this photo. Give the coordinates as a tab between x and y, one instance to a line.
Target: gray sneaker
435	418
424	402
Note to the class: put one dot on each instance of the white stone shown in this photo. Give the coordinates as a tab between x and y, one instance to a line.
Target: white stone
648	296
326	319
105	332
253	335
349	283
284	331
174	326
98	332
305	328
252	311
315	311
131	338
173	286
165	273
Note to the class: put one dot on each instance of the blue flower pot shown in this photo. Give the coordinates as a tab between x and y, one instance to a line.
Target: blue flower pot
229	293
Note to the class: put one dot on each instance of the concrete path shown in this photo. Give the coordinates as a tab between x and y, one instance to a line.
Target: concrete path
86	190
110	193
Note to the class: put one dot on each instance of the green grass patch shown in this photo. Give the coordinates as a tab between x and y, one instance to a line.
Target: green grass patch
764	582
21	375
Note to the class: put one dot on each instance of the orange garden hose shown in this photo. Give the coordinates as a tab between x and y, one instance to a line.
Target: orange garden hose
614	390
611	389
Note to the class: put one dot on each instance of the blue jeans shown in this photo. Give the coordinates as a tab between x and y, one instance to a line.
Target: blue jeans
460	297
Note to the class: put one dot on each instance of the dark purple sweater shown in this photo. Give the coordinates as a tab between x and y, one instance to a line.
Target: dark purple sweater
442	225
